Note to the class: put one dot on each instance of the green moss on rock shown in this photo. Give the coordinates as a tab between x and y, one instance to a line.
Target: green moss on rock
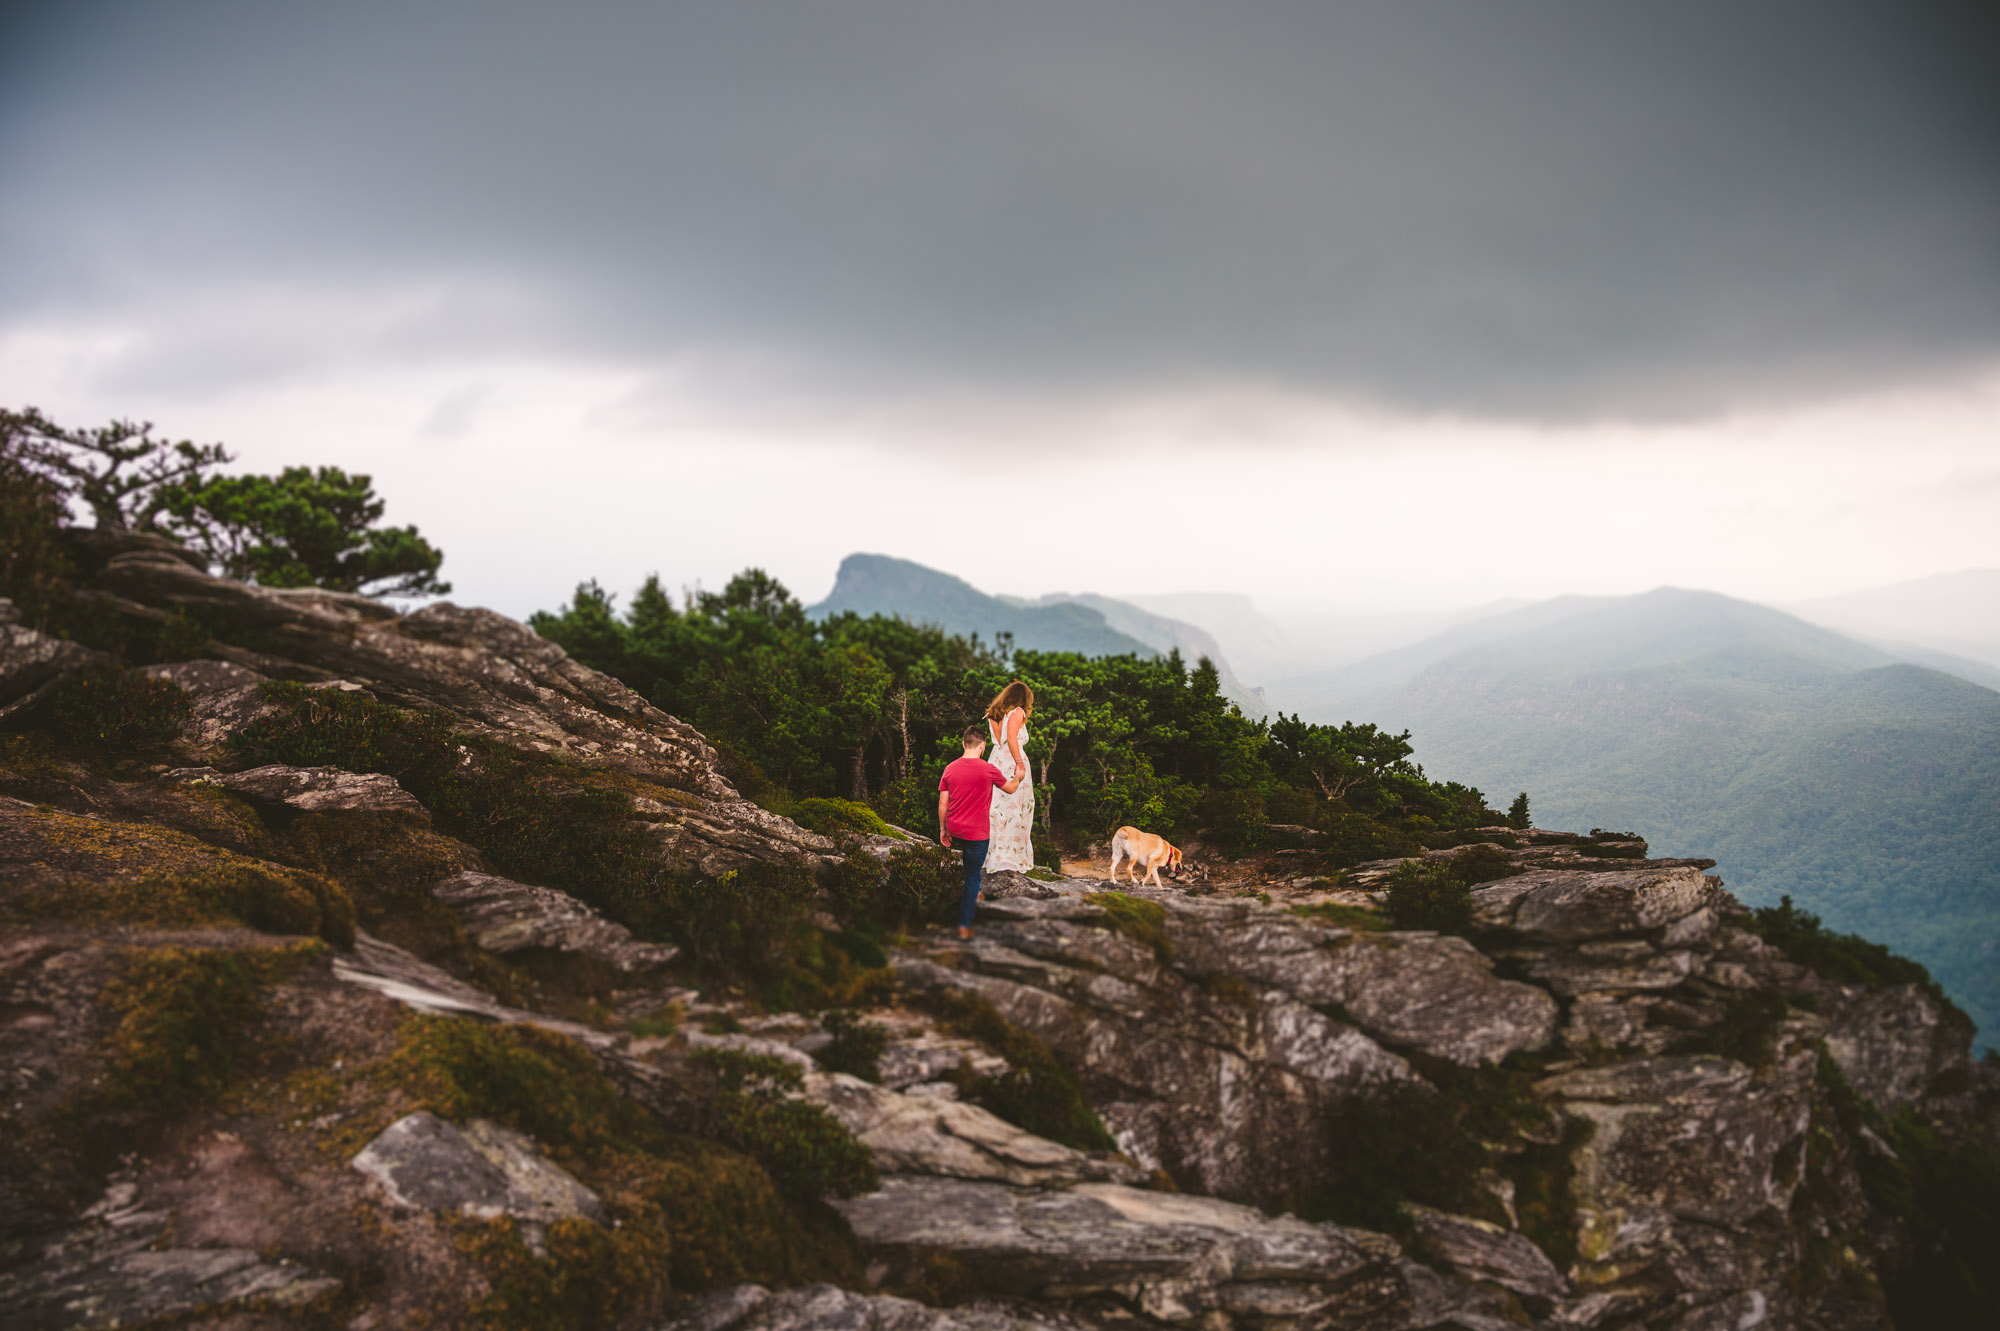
187	1021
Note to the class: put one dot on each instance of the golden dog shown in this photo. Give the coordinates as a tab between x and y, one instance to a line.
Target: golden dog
1143	850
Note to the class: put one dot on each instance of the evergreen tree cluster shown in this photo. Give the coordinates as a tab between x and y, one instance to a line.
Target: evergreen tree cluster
869	709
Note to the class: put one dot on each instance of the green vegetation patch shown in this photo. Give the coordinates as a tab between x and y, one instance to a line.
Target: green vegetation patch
1841	958
831	817
1748	1031
1434	1142
110	709
856	1047
1364	918
1429	894
1140	920
806	1150
98	871
692	1210
1943	1197
1036	1091
186	1022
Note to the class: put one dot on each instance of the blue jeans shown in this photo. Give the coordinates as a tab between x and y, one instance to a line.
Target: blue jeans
974	855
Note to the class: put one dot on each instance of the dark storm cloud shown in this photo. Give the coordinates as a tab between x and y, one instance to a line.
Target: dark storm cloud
1539	210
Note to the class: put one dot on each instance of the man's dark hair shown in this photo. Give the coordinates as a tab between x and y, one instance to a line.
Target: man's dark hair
974	735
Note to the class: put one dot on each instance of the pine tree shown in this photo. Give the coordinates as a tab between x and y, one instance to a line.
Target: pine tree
1517	813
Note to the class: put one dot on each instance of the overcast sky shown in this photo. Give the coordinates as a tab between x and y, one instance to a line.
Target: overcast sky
1343	306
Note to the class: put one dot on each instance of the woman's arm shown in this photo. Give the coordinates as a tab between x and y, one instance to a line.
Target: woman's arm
1015	720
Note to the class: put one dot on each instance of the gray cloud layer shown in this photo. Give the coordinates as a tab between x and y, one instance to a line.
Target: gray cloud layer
1533	210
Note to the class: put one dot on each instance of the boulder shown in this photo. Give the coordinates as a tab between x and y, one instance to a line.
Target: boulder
1559	906
1893	1043
1175	1259
480	1169
31	662
224	698
503	916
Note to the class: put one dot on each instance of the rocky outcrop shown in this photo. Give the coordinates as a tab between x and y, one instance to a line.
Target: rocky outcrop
1243	1026
1678	1131
495	677
947	1138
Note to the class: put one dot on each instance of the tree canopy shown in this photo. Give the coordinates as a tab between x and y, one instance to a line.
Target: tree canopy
869	708
304	527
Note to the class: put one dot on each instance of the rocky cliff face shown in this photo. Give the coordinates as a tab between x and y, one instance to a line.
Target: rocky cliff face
1610	1106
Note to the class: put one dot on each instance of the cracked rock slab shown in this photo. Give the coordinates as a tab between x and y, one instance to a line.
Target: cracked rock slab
1479	1251
827	1308
503	916
949	1138
107	1272
1554	905
481	1170
1166	1256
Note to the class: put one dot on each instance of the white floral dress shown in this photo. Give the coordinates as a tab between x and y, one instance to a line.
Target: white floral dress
1012	845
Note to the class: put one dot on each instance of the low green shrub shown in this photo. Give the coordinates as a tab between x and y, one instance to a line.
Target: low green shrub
1434	1142
1483	864
1748	1031
1355	838
1341	916
1429	894
1140	920
856	1047
1842	958
263	896
1944	1197
1036	1091
807	1151
110	709
690	1212
917	885
831	817
589	1279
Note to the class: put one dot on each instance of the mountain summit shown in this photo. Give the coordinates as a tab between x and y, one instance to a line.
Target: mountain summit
1092	625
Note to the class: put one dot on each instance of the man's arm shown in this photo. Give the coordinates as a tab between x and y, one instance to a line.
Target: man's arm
944	799
1011	786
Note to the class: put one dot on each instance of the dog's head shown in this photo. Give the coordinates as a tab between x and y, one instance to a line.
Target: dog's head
1173	858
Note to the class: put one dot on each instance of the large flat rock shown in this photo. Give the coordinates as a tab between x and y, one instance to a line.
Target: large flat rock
1169	1257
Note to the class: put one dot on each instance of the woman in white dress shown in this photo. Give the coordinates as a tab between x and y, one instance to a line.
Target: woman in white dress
1012	845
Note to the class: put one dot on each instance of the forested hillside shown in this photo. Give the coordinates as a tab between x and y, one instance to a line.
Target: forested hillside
869	709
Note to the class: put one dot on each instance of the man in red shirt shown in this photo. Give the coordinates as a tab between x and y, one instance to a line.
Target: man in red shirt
965	811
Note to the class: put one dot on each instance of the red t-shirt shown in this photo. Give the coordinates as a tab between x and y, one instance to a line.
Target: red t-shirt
968	785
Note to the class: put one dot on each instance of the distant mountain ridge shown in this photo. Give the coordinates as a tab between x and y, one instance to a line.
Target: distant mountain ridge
882	585
1814	765
869	584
